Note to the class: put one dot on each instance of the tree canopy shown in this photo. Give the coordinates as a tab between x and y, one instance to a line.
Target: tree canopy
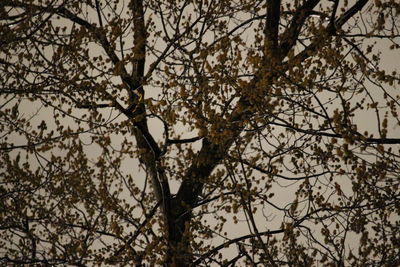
199	133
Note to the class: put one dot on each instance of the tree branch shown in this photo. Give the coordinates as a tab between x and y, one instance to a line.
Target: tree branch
360	137
350	13
271	30
329	31
184	141
290	36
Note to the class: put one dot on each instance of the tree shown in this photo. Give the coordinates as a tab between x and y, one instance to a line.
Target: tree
199	133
